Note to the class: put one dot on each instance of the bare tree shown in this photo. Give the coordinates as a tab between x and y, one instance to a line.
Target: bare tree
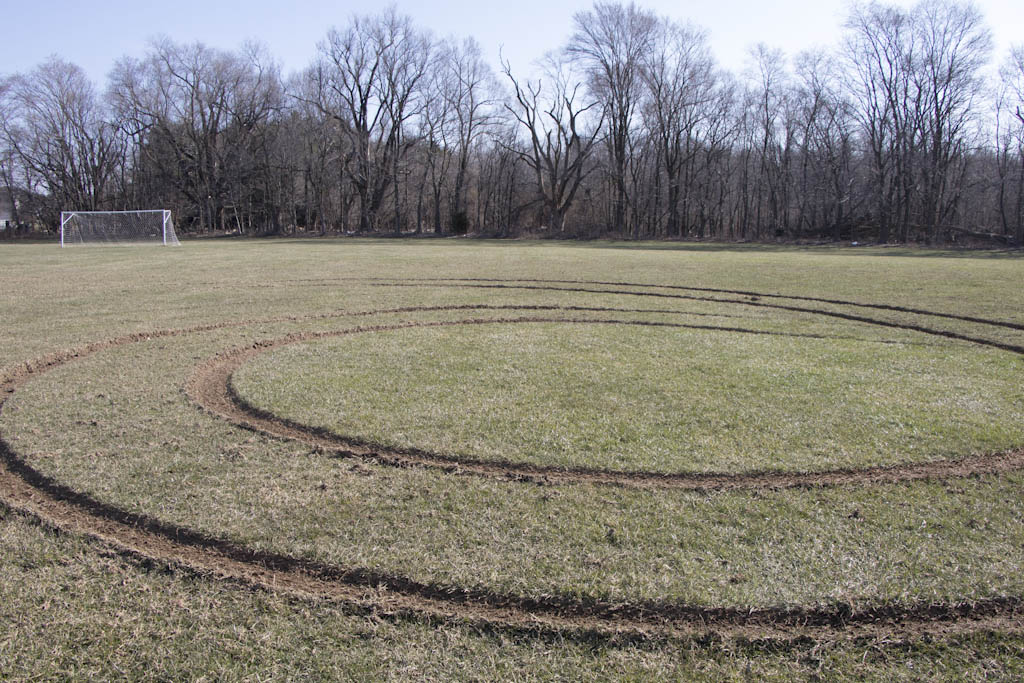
436	136
1009	138
560	137
197	115
320	158
470	91
1013	76
679	72
952	45
826	176
499	180
918	73
611	42
714	167
60	136
880	59
405	65
368	78
770	97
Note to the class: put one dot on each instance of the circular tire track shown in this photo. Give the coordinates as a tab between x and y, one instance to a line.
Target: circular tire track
210	387
26	489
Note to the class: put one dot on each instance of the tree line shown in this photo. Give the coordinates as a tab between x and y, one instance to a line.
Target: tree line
903	132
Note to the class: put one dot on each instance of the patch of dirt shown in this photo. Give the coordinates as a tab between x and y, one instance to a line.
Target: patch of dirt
24	489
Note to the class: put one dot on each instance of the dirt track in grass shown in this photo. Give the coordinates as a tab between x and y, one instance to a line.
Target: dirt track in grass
151	540
754	299
210	387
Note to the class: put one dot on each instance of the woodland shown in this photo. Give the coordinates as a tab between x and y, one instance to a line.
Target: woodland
911	130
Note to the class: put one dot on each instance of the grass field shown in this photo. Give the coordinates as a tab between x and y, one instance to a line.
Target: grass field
476	460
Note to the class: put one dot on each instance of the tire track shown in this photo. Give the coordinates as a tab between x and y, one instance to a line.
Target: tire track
913	327
25	489
708	290
210	388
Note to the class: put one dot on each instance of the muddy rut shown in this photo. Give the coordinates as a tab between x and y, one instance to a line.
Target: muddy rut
25	489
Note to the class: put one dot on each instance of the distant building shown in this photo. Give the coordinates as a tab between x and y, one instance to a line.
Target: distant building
6	210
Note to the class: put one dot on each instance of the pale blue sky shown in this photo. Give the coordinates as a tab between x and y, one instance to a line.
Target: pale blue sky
95	34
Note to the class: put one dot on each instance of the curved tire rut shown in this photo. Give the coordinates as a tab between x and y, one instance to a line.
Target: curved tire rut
210	387
25	489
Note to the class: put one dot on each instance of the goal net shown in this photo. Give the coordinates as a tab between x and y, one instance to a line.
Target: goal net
117	227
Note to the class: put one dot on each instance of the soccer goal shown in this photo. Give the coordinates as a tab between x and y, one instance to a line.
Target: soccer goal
117	227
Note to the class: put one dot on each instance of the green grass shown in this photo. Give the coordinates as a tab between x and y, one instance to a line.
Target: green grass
118	426
655	399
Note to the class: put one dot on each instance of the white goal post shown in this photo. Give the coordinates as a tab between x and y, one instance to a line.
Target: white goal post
153	226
